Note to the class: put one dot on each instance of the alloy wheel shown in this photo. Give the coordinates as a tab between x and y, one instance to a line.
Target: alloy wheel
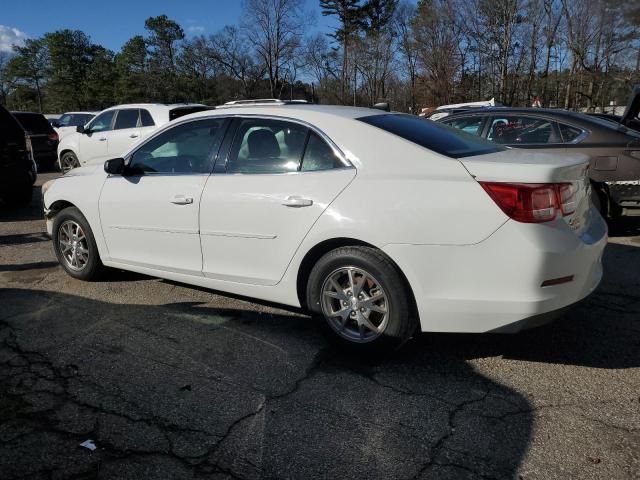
355	304
73	245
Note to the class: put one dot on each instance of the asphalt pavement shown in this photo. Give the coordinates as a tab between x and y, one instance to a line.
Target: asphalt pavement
172	382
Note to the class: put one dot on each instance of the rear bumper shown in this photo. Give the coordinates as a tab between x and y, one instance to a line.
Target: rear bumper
496	285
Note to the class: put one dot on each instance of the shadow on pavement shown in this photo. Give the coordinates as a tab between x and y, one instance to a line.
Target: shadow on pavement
173	391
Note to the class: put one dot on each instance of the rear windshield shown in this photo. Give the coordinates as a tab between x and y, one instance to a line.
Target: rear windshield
434	136
33	122
611	125
182	111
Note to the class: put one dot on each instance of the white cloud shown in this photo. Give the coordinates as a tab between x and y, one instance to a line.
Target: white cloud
195	29
10	36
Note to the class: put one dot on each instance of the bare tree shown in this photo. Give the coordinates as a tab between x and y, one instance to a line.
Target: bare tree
275	29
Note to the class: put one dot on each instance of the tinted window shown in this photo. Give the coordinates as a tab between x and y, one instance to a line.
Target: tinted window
569	133
431	135
126	119
10	131
267	146
33	122
466	124
186	148
102	122
319	155
145	119
524	130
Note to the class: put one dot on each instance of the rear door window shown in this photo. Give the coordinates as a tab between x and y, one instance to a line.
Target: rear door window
145	119
569	133
318	155
267	146
517	129
432	135
127	118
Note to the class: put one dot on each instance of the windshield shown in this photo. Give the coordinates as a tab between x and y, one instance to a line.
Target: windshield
74	119
434	136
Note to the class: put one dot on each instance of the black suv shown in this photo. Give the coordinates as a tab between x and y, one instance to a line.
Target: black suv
44	139
17	168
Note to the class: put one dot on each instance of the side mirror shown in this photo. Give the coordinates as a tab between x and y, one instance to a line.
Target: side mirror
114	166
80	129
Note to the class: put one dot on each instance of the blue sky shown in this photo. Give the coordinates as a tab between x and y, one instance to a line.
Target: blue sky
113	22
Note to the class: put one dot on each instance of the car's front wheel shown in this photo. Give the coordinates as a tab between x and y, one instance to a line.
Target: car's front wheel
68	161
361	299
75	245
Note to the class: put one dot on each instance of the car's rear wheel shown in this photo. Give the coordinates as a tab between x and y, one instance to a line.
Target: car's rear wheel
75	245
361	299
68	161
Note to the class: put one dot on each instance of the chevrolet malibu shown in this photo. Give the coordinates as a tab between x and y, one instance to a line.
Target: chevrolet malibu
379	224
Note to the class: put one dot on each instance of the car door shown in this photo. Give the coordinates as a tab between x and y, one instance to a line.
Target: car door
93	143
150	215
278	178
126	131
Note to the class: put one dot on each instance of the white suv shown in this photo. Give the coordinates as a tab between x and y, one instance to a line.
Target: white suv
114	130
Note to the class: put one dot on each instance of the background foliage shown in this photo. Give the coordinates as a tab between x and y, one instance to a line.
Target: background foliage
578	54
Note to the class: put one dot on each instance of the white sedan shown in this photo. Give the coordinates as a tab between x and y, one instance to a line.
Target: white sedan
377	223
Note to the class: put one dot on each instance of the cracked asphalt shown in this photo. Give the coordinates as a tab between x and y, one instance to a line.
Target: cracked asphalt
173	382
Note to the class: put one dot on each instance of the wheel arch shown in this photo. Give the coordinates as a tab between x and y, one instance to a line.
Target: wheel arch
57	206
317	251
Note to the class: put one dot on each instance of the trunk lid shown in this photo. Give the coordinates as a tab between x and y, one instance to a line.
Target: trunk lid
530	167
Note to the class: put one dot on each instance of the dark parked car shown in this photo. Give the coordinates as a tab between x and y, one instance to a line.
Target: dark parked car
613	149
17	168
44	139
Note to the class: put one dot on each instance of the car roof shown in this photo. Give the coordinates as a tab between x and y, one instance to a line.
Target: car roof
302	111
79	113
16	112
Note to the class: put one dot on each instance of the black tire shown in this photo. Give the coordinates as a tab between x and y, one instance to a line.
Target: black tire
68	161
383	276
92	268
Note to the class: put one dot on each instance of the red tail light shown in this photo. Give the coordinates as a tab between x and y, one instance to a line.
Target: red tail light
533	202
53	136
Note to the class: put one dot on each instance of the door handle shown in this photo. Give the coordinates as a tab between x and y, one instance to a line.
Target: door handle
133	135
182	200
297	202
102	139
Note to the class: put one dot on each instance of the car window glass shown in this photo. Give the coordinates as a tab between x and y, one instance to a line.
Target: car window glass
466	124
437	137
517	129
65	120
319	155
102	122
569	133
185	148
33	122
127	118
267	146
145	119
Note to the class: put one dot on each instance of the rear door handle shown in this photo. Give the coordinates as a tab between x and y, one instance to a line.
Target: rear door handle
182	200
102	139
133	135
297	202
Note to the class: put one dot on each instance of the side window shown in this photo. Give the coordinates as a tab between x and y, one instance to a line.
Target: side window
466	124
127	118
145	119
525	130
568	133
267	146
102	122
319	155
186	148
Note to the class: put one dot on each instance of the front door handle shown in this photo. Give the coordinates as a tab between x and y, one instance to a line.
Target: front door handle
297	202
182	200
103	139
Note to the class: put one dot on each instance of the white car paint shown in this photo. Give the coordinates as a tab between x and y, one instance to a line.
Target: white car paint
471	268
95	148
